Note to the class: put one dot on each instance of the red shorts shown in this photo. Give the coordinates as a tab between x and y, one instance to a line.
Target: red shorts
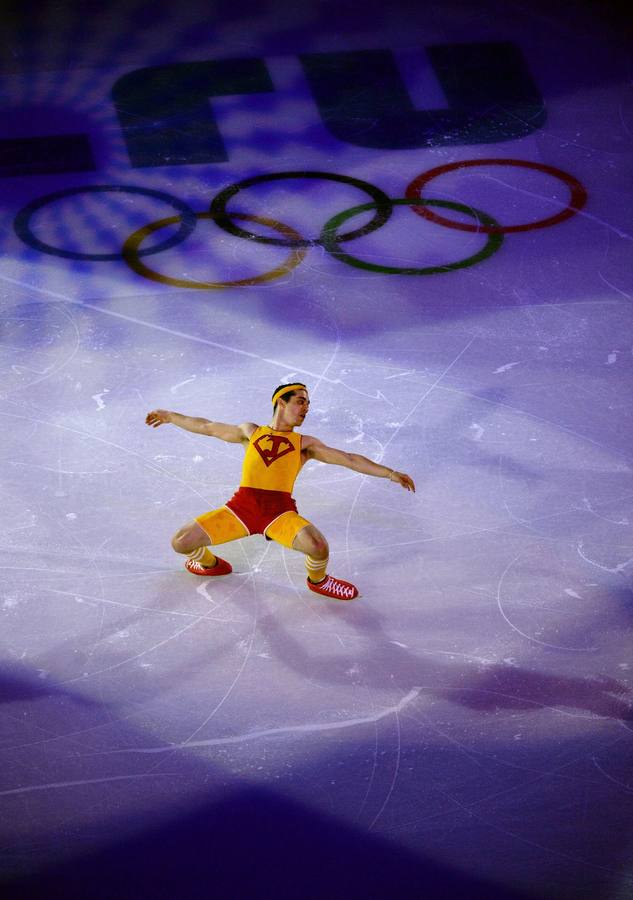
254	511
257	509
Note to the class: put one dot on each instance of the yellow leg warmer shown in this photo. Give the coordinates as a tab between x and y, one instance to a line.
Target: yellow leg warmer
204	556
316	568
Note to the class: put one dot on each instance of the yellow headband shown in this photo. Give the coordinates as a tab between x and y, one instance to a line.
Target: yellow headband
284	390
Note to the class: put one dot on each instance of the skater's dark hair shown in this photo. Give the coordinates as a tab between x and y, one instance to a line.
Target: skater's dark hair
296	385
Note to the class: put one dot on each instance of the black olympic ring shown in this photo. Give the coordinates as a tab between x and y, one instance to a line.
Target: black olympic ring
22	222
330	240
382	205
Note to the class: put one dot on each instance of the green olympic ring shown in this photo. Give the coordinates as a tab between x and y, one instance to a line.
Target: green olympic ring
331	242
381	204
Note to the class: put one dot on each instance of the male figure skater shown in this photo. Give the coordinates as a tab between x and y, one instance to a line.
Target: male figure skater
263	504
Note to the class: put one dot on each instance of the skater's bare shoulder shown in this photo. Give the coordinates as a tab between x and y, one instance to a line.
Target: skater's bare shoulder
232	434
248	429
313	448
309	444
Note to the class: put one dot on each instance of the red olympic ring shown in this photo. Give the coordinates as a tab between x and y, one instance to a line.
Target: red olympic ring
577	199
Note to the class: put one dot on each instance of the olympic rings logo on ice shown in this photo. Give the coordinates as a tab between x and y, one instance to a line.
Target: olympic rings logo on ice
331	238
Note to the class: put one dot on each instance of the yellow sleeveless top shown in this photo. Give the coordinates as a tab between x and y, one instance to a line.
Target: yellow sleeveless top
272	461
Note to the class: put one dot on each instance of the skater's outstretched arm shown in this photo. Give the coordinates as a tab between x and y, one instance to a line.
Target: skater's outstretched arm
233	434
315	449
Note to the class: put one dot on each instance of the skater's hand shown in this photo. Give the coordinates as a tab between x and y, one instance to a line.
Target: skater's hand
404	480
158	417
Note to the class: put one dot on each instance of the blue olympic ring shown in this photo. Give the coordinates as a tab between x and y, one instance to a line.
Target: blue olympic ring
22	222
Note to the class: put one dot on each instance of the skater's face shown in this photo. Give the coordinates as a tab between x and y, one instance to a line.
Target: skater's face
297	408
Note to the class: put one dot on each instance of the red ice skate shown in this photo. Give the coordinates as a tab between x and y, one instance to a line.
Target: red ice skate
222	567
334	587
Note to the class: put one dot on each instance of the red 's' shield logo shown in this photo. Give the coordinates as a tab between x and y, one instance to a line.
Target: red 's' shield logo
272	447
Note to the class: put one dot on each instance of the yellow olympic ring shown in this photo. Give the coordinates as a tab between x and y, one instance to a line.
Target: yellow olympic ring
132	244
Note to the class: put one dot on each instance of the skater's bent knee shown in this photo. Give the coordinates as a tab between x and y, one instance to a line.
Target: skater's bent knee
189	537
182	542
178	543
321	549
315	546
